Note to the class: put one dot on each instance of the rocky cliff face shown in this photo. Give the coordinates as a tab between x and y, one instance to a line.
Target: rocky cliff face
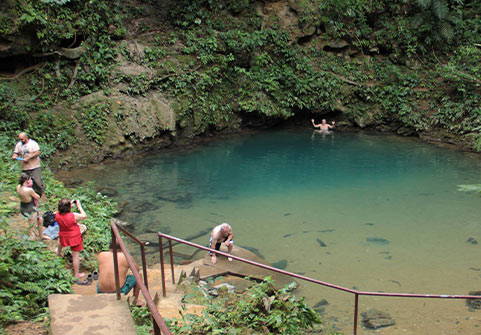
167	83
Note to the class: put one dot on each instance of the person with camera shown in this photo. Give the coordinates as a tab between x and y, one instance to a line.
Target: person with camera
27	152
69	233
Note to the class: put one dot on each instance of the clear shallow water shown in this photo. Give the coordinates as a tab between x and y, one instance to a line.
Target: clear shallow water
386	208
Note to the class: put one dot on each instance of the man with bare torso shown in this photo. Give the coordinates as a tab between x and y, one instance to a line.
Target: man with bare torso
221	234
323	126
27	152
106	283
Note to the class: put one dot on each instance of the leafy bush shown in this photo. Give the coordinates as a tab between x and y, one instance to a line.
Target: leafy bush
28	274
261	309
93	118
28	271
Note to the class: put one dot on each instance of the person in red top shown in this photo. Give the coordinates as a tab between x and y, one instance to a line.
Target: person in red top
69	231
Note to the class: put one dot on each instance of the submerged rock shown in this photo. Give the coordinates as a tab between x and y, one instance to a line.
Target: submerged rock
374	319
253	250
282	264
321	303
472	241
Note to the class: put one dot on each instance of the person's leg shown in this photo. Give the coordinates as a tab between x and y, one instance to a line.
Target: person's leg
40	227
59	249
38	184
76	264
213	259
136	295
229	250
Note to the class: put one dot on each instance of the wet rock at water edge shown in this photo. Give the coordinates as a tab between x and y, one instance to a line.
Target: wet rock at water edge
321	243
282	264
374	319
140	207
474	303
177	197
108	191
377	240
472	241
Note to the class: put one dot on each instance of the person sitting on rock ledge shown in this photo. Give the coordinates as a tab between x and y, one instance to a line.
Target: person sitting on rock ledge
221	233
106	282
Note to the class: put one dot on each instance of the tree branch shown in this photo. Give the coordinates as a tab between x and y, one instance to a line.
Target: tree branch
74	75
21	73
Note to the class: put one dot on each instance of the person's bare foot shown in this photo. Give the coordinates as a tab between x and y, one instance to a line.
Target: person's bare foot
80	275
213	259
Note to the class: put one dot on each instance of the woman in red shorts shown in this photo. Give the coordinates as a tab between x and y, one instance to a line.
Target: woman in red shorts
69	231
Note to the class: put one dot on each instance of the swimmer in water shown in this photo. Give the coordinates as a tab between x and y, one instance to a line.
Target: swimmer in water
323	126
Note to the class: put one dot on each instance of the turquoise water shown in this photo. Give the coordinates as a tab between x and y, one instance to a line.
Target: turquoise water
386	209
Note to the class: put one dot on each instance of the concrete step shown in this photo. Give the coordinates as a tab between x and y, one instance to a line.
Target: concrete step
73	314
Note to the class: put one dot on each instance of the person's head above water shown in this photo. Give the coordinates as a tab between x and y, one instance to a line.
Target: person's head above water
323	121
64	206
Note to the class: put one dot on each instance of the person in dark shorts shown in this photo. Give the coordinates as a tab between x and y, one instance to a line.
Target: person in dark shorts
221	234
27	152
29	204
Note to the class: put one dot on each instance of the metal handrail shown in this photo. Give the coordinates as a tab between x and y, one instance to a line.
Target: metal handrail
142	251
160	327
294	275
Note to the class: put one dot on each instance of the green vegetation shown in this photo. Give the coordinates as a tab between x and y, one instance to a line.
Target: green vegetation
28	271
261	309
28	274
411	66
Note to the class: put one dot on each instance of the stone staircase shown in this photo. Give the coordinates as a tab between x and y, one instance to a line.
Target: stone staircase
73	314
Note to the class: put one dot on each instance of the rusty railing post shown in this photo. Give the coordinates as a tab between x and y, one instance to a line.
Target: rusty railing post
356	311
144	265
171	261
161	250
156	327
116	264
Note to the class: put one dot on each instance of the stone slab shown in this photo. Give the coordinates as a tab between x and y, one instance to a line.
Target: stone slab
72	314
223	266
